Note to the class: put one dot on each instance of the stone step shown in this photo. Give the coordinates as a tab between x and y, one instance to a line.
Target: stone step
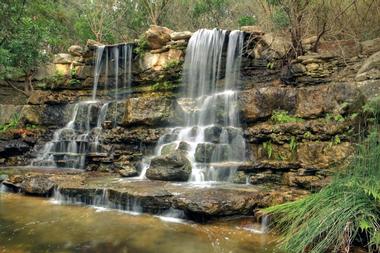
198	202
227	165
66	154
68	141
97	155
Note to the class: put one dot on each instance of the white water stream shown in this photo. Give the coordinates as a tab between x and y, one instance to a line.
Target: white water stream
211	135
80	137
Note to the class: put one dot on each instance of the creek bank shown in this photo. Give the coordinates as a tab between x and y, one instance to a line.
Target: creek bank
202	204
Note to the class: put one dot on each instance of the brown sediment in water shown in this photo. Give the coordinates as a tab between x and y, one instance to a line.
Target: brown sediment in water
29	224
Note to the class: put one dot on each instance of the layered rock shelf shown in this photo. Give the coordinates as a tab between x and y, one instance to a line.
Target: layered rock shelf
297	117
198	203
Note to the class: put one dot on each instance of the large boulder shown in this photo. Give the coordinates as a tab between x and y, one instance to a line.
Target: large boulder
171	167
252	29
47	115
305	102
8	112
14	147
341	48
128	171
63	58
49	70
181	35
322	155
256	104
93	43
159	61
37	185
75	50
314	101
281	45
311	182
370	68
370	46
31	114
157	36
149	110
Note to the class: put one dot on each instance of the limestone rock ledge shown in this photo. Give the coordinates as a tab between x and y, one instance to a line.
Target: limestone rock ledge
334	82
198	203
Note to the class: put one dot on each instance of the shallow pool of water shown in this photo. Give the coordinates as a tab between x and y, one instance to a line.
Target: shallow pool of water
29	224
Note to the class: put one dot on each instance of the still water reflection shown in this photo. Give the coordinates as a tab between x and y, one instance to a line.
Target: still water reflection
34	225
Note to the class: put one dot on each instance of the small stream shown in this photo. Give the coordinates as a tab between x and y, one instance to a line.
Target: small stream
29	224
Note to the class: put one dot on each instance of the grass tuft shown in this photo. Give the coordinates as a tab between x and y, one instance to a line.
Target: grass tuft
342	214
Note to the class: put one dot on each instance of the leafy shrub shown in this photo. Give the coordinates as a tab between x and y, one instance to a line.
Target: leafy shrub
247	20
279	117
172	64
142	46
162	86
372	108
13	123
308	135
280	19
344	212
335	117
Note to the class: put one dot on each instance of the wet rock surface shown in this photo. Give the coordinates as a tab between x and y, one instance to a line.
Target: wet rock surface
331	83
198	203
171	167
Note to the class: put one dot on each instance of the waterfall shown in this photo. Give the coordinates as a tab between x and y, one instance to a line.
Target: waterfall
211	134
80	137
97	69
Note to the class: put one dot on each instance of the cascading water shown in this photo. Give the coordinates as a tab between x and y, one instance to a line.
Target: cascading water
80	137
211	135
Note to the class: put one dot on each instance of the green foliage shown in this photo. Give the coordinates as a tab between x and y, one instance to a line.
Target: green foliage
268	149
345	211
247	20
29	32
280	19
293	144
14	122
334	117
203	7
172	64
209	11
279	117
274	2
162	86
74	82
31	127
372	108
270	65
308	135
336	140
142	46
57	78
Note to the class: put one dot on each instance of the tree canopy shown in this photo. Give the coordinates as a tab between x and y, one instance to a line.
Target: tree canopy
33	30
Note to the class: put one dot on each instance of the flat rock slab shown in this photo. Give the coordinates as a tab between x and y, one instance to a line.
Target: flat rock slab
198	202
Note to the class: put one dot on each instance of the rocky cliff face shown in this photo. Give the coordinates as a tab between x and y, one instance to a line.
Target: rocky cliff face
298	117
